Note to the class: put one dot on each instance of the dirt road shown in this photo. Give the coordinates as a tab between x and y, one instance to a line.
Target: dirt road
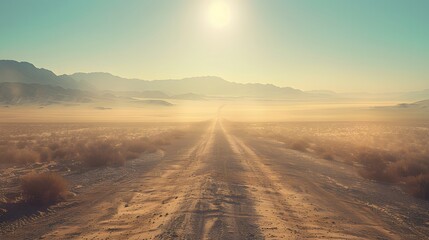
216	185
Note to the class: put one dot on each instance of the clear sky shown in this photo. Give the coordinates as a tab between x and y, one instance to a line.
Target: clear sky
340	45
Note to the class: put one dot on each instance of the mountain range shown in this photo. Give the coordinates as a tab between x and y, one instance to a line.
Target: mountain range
20	93
87	86
23	72
212	86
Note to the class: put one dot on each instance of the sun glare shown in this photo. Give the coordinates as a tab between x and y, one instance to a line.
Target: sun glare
219	14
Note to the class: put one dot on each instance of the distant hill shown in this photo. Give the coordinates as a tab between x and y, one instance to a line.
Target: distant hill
417	105
153	102
415	110
32	93
189	96
23	72
211	86
21	93
413	96
137	94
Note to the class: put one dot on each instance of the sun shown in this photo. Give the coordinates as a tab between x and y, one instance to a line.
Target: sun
219	14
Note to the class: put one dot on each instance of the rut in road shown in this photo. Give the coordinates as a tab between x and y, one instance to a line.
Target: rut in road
231	195
217	205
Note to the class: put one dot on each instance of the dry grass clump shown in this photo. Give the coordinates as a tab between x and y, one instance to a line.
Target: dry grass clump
161	140
300	145
44	188
409	171
134	148
102	153
375	164
18	156
176	133
131	155
22	144
54	146
64	153
418	185
45	154
166	138
141	145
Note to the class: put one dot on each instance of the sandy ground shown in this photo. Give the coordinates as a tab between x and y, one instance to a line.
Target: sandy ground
216	185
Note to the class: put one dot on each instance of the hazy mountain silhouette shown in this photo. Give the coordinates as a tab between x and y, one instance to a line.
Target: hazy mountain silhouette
138	94
188	88
424	104
156	102
189	96
212	86
33	93
412	96
20	93
24	72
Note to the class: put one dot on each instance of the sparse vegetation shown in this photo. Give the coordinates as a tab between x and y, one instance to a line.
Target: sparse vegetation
418	185
43	189
14	155
85	144
34	157
102	153
395	153
138	146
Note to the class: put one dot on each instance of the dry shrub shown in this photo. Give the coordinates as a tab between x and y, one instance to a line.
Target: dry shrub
44	188
412	174
300	145
139	146
151	149
54	146
177	133
324	152
22	144
131	155
18	156
327	156
132	149
407	168
418	186
64	153
375	165
102	153
161	140
45	155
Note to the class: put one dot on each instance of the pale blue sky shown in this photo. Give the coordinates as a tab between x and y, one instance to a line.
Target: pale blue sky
340	45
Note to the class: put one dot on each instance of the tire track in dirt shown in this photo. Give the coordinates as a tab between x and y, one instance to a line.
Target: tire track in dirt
161	195
275	205
291	209
217	204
